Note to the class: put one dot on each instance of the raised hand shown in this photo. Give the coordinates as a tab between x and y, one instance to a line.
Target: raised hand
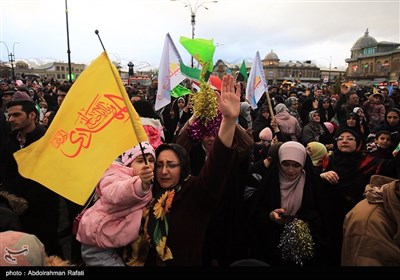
229	99
146	174
229	105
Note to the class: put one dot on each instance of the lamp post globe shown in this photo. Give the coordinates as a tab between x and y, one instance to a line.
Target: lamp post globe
193	10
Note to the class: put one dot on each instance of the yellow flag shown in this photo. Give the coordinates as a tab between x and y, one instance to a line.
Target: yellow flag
95	124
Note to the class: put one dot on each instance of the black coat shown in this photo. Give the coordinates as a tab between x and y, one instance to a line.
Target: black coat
224	240
259	124
41	217
264	234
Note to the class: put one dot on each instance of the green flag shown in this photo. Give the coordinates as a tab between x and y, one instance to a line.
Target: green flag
242	76
202	50
179	91
193	73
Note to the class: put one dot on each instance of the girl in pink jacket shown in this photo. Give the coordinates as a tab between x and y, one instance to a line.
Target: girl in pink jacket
114	220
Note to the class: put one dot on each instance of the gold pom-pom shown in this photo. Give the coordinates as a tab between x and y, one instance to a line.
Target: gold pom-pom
296	243
205	103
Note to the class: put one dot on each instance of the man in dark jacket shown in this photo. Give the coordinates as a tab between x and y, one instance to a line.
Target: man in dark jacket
345	105
41	217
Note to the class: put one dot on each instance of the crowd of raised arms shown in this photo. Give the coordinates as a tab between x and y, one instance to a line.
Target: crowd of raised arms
310	177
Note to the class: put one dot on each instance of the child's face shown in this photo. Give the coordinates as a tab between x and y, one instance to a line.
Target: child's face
138	163
384	141
377	100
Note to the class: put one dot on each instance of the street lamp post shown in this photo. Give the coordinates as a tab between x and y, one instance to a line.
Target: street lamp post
130	66
329	73
193	10
11	57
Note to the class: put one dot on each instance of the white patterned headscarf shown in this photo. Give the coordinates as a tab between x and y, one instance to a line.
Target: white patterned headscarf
281	108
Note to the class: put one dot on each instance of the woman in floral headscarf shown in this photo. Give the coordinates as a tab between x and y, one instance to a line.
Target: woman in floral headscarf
313	130
176	220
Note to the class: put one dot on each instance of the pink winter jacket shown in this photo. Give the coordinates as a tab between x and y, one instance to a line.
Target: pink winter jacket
114	220
288	124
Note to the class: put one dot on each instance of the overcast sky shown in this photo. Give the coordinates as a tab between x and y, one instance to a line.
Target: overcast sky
134	30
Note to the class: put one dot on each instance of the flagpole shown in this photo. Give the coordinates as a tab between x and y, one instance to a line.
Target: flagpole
68	50
101	42
124	95
271	111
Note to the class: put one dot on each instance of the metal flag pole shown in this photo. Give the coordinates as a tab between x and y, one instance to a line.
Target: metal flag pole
68	50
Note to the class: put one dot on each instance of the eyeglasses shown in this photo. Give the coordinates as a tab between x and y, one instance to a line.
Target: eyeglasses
346	139
168	165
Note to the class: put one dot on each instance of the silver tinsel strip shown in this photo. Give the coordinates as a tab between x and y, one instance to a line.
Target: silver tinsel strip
296	243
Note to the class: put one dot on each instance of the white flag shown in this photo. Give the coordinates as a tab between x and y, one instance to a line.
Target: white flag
256	84
169	73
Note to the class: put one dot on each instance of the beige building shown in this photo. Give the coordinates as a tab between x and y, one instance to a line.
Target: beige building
59	70
55	70
329	75
277	71
373	62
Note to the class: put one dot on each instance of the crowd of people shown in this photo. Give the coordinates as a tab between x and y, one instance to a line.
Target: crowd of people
288	183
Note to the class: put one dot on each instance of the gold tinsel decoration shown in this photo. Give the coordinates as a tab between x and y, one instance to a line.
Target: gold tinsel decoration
296	243
205	103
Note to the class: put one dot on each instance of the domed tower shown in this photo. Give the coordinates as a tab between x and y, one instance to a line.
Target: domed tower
271	59
364	45
22	65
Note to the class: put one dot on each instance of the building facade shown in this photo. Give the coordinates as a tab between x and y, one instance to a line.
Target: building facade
374	62
329	75
277	71
55	70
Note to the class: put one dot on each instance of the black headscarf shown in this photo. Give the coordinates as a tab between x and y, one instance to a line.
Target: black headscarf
145	109
181	153
351	131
